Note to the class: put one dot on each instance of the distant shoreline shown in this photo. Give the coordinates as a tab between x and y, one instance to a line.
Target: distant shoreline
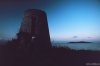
81	42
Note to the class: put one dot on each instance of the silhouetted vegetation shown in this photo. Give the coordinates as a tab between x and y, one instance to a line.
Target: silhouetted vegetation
13	55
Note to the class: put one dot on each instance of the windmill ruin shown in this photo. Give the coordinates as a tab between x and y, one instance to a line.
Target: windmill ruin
34	32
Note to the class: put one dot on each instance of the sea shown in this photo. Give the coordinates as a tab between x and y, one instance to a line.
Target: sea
94	46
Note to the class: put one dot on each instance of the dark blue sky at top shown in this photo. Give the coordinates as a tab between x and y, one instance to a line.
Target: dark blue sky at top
66	18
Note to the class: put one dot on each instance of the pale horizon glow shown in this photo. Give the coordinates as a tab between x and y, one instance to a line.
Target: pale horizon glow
80	19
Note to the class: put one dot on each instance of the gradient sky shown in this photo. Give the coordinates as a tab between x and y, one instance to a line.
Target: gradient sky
67	19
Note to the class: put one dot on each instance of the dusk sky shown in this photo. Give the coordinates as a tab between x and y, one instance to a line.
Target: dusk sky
67	19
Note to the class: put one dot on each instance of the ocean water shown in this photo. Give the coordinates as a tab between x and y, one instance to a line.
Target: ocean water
79	46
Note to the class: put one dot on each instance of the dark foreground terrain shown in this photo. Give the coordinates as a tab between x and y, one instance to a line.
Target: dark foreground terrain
11	56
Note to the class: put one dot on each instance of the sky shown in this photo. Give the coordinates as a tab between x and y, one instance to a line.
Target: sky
67	19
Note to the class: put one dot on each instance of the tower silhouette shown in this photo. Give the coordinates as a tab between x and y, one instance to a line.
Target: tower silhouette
34	32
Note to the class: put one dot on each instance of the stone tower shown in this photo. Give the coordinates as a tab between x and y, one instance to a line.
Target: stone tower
34	30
